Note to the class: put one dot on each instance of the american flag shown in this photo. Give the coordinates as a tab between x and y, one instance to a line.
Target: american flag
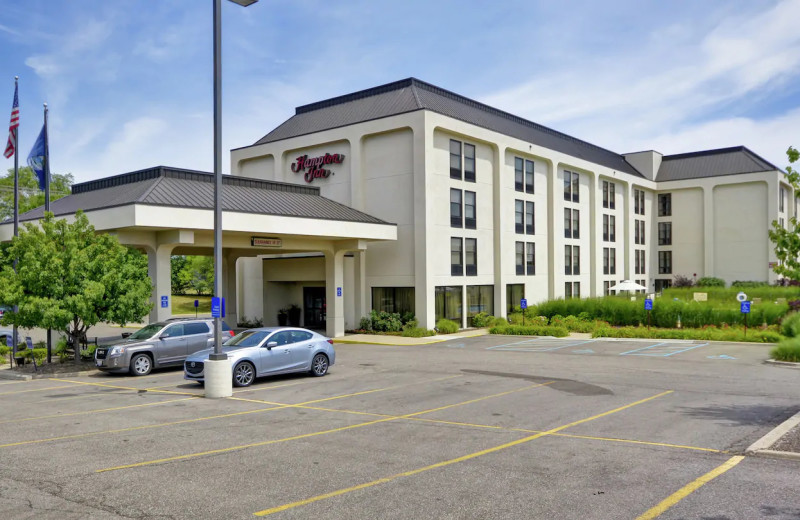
12	127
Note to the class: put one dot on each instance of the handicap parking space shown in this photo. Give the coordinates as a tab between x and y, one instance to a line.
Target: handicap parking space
403	432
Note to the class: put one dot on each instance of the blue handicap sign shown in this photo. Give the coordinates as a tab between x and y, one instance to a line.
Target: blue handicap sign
523	304
338	291
164	302
197	303
648	304
745	307
217	307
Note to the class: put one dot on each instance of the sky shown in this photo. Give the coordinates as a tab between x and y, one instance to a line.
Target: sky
129	82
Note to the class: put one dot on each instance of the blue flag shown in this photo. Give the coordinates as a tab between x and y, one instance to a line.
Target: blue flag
38	155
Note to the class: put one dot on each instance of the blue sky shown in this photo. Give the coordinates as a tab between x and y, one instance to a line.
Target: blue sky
129	86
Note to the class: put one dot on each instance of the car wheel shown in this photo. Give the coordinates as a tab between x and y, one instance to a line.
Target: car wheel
141	365
319	365
243	374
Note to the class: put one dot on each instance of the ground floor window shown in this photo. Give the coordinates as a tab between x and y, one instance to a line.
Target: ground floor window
572	290
393	299
663	284
448	303
480	298
514	293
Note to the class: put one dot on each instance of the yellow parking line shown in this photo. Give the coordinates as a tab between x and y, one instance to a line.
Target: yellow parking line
207	418
313	434
463	458
86	412
36	389
689	489
104	385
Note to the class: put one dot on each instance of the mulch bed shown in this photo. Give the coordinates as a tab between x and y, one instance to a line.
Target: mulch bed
54	368
789	442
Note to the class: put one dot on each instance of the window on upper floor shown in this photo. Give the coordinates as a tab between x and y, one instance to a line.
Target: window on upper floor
530	229
470	210
665	262
455	208
456	256
528	176
519	216
471	256
665	233
638	202
519	258
665	205
462	161
530	259
519	174
609	195
571	184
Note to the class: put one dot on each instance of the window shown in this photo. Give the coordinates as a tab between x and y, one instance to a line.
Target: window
455	159
781	222
518	174
665	262
301	335
515	292
529	227
519	216
572	260
455	208
663	284
572	289
665	205
528	176
471	256
609	228
782	200
609	195
520	257
571	181
638	231
530	259
638	202
469	162
456	257
639	264
567	290
605	260
643	283
173	331
571	223
393	299
195	328
448	303
609	260
480	298
606	286
470	210
665	233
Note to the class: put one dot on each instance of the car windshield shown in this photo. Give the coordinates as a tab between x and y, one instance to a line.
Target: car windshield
147	332
248	338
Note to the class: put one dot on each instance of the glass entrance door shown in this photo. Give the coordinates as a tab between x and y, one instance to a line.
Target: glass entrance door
314	307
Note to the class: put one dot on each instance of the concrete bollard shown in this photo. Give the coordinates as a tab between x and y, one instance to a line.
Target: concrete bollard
218	378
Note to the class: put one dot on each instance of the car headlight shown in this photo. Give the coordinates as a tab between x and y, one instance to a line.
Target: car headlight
116	351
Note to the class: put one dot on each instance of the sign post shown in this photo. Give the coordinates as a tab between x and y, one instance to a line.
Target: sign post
217	307
648	306
196	305
523	304
745	310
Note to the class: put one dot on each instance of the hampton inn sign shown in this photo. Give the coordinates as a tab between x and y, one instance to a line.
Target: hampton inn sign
313	167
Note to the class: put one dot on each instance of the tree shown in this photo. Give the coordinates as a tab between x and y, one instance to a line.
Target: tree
70	278
200	274
179	274
30	196
787	240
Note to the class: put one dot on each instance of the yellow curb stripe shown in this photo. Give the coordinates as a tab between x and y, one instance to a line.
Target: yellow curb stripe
37	389
463	458
118	387
312	434
86	412
689	489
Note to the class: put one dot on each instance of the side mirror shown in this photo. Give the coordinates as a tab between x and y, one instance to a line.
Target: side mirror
126	334
272	344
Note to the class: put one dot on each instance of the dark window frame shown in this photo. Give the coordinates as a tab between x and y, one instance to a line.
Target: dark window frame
470	222
665	233
519	216
529	176
665	204
469	173
471	269
530	259
457	269
519	174
665	262
456	221
519	257
530	221
456	173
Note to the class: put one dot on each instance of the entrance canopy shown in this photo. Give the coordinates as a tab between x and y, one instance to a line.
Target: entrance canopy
167	211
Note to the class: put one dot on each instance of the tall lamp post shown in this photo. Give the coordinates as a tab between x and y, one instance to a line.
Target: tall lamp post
218	370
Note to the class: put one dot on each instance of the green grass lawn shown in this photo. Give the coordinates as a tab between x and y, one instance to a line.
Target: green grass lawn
184	304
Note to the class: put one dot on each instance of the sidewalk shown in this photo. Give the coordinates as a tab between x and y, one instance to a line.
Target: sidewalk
379	339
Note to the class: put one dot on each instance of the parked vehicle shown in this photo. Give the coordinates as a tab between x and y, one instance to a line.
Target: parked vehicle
268	351
166	343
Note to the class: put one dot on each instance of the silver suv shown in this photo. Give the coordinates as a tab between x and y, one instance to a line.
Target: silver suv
157	345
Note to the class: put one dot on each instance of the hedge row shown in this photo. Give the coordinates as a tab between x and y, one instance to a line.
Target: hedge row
534	330
710	333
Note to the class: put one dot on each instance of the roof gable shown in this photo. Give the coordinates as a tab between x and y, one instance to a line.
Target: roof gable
712	163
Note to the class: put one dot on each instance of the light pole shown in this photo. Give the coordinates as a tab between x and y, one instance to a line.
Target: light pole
218	371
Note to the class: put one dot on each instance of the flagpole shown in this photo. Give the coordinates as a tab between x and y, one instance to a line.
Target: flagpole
47	208
15	332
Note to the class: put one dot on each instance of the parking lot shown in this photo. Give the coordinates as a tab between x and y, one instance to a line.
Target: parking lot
488	427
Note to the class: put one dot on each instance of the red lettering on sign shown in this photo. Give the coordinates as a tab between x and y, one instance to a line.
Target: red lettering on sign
312	166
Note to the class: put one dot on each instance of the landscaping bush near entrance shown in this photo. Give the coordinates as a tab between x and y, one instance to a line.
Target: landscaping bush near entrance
788	350
532	330
790	326
446	326
707	333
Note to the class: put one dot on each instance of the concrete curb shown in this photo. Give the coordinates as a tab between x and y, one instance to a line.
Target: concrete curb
426	341
762	446
4	375
782	363
14	377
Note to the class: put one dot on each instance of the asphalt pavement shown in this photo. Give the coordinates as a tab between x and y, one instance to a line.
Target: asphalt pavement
487	427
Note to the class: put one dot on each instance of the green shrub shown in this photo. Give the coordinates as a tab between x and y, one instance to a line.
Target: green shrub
790	325
366	323
417	332
481	320
407	317
710	281
88	352
444	326
788	350
708	334
61	350
533	330
39	354
497	321
749	284
383	321
515	318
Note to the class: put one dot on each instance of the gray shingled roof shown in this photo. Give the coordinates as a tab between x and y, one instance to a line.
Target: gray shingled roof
173	187
411	94
711	163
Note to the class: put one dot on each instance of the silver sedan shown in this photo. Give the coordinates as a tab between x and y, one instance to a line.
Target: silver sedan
268	351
